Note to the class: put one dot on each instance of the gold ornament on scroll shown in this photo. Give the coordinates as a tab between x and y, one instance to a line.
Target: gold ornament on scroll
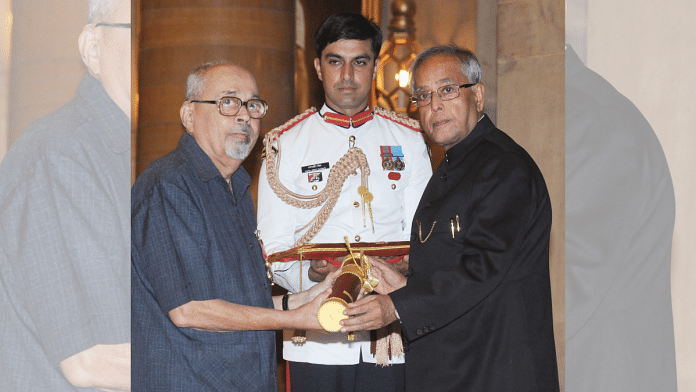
355	276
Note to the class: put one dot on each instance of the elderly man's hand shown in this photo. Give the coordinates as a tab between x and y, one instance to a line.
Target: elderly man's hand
371	312
306	315
390	278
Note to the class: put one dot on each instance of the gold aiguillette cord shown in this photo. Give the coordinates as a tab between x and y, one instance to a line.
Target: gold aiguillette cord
366	198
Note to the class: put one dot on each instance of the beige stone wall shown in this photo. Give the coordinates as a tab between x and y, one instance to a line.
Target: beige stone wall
646	51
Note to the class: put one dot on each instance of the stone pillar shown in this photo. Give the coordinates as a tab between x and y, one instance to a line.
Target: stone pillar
531	109
177	36
45	61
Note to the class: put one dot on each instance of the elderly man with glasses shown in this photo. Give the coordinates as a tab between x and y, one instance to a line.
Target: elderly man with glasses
202	312
476	312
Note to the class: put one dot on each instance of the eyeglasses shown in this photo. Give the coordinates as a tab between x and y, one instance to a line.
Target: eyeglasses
117	25
229	106
446	93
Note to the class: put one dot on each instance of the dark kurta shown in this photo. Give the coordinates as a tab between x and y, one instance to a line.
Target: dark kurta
193	240
476	313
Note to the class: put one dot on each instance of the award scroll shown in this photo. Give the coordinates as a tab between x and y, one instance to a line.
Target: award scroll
386	342
355	275
346	288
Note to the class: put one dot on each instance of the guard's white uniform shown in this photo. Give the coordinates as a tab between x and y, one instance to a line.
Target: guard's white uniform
309	150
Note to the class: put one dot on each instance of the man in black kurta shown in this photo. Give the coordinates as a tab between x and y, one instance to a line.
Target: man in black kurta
476	312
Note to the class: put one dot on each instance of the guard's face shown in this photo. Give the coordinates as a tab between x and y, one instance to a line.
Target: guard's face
447	122
226	139
346	69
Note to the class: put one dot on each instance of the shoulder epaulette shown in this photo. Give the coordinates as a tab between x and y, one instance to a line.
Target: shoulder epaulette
401	119
263	152
277	131
294	121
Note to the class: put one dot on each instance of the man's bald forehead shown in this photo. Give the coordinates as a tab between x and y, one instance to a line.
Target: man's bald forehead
236	70
198	78
229	68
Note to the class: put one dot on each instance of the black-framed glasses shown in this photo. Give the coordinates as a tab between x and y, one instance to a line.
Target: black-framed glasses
446	93
229	106
117	25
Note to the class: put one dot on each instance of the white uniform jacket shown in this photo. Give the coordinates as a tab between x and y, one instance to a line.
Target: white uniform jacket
309	149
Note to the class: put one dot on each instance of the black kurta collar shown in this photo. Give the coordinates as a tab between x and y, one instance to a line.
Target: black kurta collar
457	152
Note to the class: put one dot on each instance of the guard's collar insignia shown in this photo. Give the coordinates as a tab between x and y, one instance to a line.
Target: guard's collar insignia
346	121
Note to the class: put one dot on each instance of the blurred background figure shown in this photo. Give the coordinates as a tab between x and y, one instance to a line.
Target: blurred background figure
620	215
64	248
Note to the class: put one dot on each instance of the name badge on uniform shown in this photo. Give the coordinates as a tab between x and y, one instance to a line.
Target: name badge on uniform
392	158
314	171
315	167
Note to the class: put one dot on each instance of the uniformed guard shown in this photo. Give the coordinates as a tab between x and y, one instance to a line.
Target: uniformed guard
342	171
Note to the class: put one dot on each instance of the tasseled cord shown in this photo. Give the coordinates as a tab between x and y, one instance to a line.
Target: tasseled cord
389	344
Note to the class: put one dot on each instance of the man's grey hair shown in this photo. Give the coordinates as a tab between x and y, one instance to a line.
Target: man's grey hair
194	82
101	10
470	65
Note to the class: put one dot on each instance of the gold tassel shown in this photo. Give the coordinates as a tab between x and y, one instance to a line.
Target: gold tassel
395	343
389	344
299	337
382	350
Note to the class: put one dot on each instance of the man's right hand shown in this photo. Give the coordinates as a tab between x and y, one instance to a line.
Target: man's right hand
320	268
